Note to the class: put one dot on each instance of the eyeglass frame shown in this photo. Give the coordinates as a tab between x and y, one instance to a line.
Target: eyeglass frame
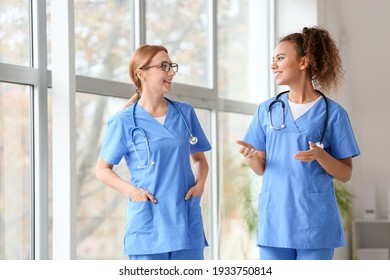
171	66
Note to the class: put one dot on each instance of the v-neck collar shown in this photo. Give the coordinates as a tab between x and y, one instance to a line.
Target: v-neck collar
288	115
298	106
153	119
155	124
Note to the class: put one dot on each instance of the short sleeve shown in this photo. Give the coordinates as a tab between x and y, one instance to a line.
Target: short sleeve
203	144
343	142
114	144
255	134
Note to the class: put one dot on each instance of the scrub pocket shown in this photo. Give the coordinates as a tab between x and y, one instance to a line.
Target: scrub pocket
323	210
139	235
140	217
195	223
194	213
262	202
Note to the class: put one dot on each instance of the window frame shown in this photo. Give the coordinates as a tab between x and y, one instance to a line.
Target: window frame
41	79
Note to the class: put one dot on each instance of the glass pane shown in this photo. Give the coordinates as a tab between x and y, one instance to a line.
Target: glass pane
103	38
50	169
101	212
204	117
15	166
48	33
238	192
15	32
243	59
182	27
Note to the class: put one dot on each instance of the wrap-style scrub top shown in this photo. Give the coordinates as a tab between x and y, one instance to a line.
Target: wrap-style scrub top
297	204
172	223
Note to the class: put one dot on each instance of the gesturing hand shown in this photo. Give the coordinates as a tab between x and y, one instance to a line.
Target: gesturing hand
247	150
309	155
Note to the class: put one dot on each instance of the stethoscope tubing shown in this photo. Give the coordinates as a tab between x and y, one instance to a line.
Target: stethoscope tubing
193	139
277	100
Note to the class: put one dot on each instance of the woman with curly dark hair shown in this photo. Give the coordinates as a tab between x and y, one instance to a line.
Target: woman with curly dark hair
300	141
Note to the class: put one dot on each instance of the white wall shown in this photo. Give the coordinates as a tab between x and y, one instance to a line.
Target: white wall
293	15
361	29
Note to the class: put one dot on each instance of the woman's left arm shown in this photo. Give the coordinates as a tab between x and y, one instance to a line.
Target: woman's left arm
201	170
338	169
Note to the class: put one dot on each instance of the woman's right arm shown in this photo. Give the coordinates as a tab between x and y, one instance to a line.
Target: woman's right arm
106	175
257	162
256	158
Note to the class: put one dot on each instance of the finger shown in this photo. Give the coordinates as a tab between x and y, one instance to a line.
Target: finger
300	155
151	197
304	156
312	144
188	194
242	143
251	153
300	158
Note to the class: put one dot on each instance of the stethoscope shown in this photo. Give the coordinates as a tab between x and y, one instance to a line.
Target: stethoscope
193	139
277	100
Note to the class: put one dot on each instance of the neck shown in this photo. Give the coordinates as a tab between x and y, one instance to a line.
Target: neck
156	106
303	94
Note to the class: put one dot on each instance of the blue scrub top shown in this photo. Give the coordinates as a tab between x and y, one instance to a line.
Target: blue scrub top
173	223
297	204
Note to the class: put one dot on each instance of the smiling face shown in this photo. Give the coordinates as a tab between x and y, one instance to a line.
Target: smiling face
155	79
287	67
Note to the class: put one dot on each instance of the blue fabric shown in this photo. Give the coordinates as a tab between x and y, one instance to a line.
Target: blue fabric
194	254
173	223
274	253
297	203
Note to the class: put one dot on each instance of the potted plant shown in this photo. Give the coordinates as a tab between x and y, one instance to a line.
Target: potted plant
344	200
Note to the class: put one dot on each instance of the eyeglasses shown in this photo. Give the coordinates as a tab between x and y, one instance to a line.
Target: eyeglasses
165	66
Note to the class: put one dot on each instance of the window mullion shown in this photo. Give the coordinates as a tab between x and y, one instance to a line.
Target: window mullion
39	134
64	135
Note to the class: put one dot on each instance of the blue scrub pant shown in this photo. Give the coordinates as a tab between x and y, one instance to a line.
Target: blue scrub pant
190	254
275	253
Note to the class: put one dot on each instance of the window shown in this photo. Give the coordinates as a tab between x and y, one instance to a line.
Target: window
100	210
238	192
15	172
104	38
204	117
15	32
243	61
182	27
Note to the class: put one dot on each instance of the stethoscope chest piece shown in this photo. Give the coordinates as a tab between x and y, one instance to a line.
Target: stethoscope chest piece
193	140
320	145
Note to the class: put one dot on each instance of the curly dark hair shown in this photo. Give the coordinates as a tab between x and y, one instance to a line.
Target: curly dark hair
324	61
